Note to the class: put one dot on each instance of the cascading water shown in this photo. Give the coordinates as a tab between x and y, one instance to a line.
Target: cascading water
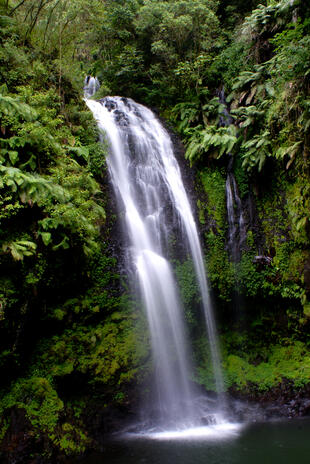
148	184
91	86
236	222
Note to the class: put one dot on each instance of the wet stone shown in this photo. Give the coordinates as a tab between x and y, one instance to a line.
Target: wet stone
109	104
121	118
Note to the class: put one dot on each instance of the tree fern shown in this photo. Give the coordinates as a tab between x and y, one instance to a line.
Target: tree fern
212	140
269	17
31	188
186	113
257	150
10	106
288	151
247	115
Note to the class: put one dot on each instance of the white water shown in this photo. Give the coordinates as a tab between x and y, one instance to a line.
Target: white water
150	191
236	223
91	86
217	431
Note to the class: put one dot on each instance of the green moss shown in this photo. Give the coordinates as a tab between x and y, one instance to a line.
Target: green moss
253	281
290	362
38	398
45	411
272	214
190	294
298	205
106	356
201	212
242	177
3	428
213	182
212	213
108	353
306	309
220	269
70	439
276	211
281	362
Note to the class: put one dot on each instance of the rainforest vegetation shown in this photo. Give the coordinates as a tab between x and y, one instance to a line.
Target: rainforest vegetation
73	342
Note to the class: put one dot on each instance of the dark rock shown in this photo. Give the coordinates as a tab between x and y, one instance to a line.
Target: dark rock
121	118
307	276
20	444
279	402
265	260
109	104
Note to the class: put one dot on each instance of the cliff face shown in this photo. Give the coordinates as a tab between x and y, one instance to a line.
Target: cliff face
262	297
260	278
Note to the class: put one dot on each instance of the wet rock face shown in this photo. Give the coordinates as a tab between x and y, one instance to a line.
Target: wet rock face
121	118
307	276
263	260
109	104
23	445
283	401
20	442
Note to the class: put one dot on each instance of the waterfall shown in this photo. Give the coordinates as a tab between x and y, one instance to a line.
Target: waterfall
149	188
236	223
91	86
235	216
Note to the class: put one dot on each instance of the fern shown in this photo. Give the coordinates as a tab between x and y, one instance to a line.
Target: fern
212	139
290	151
188	113
30	187
82	152
19	249
270	17
257	150
248	77
213	110
10	106
247	115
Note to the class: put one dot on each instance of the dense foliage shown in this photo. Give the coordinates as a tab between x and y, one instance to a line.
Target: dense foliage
232	77
63	312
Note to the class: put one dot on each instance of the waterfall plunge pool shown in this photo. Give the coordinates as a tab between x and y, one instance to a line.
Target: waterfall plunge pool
274	442
146	177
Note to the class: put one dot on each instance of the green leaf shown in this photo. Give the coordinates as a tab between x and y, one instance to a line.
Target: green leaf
301	223
19	249
13	155
83	152
46	237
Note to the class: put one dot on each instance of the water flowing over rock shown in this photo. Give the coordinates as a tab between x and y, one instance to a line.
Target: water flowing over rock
236	222
91	86
149	188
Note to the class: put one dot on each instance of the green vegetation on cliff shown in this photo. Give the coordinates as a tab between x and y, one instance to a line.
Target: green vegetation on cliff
65	318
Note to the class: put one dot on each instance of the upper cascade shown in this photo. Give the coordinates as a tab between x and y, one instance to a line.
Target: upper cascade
91	86
151	194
